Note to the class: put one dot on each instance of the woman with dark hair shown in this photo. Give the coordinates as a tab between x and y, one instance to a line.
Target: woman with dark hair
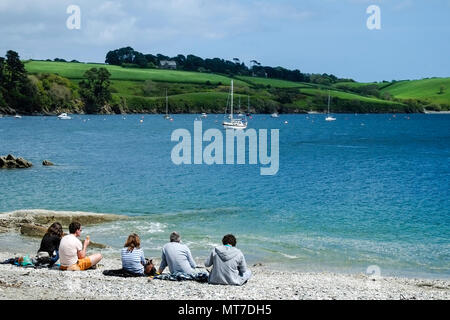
50	242
133	259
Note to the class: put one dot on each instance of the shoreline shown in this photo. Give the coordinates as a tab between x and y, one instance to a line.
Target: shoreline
303	112
265	284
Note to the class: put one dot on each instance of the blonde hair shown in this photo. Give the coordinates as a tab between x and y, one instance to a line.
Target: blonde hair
132	242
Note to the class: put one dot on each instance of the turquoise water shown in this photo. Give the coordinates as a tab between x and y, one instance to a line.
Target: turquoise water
363	190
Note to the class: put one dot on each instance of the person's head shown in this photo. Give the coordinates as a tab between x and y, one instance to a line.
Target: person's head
229	239
175	237
75	228
132	242
55	229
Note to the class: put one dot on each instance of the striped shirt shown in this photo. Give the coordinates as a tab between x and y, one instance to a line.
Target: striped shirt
133	261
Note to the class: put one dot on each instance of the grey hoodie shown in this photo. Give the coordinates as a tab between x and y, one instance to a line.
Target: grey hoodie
229	266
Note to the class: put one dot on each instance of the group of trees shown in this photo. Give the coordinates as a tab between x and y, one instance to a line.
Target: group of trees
49	93
16	89
128	57
94	90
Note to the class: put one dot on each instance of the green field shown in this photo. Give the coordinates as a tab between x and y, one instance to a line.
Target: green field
276	83
76	71
426	90
345	95
144	90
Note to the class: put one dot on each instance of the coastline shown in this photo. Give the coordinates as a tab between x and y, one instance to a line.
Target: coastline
265	284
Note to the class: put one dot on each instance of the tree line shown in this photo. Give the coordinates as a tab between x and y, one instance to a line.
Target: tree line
128	57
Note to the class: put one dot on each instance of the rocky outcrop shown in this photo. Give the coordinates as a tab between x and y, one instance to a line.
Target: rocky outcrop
35	222
14	219
11	162
38	231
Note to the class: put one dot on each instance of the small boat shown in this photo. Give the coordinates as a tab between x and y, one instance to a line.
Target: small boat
275	115
234	123
64	116
18	116
329	118
204	115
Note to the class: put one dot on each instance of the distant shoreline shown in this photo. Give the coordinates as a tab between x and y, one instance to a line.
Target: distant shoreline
265	114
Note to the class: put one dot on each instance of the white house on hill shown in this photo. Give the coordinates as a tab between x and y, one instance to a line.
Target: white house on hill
168	64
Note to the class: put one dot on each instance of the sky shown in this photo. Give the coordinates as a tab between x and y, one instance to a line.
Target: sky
314	36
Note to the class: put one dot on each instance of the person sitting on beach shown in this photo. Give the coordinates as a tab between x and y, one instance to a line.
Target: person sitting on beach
49	248
72	252
133	259
229	266
177	256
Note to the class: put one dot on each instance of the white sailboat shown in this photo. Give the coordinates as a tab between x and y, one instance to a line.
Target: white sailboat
329	118
234	123
64	116
275	115
167	116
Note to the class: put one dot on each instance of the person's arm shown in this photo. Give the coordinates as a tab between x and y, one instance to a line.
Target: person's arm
163	264
82	253
191	259
242	266
209	260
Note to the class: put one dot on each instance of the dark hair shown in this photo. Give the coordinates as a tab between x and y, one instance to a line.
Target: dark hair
229	239
74	226
132	242
55	229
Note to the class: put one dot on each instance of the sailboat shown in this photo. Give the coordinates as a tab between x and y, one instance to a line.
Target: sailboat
248	107
240	114
233	123
167	116
329	118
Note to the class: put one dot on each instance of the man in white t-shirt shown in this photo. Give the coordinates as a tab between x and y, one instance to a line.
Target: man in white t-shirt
72	253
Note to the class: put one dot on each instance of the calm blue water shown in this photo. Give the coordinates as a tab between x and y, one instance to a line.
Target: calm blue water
363	190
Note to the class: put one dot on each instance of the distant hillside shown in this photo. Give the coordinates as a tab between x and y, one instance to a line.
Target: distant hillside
143	90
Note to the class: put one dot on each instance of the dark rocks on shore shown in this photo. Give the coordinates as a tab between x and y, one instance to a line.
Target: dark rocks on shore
38	231
11	162
47	163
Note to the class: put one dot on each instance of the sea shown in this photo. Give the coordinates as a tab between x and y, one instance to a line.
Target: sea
365	192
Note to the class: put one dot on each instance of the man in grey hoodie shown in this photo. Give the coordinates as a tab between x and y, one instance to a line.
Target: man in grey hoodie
229	266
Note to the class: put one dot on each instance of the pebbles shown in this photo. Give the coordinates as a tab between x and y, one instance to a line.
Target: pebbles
20	283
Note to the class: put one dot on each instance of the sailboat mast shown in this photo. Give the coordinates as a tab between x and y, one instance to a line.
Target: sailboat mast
167	104
328	101
231	115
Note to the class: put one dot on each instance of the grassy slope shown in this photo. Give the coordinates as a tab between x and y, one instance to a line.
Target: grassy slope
191	88
345	96
76	71
427	90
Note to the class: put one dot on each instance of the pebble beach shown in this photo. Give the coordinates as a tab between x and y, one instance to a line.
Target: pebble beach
45	284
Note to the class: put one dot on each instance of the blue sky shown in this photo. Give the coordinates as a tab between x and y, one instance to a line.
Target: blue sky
315	36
